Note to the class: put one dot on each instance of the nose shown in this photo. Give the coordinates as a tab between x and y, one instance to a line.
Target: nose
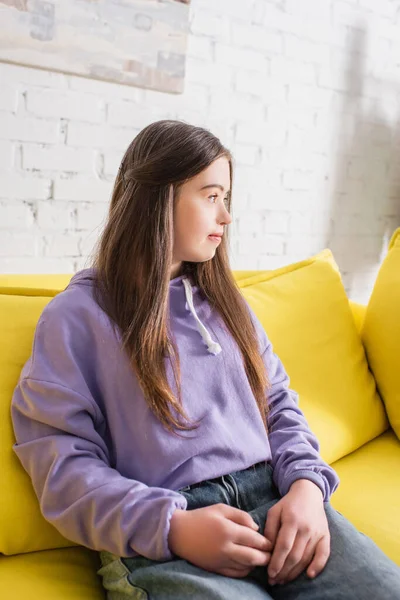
226	216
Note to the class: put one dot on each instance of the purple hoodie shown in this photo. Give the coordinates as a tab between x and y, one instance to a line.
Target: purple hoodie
106	472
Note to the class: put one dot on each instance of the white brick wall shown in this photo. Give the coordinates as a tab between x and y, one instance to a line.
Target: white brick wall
305	94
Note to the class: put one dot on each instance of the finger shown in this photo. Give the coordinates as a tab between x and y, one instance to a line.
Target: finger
322	552
272	524
301	566
247	537
295	555
230	572
243	556
239	516
284	542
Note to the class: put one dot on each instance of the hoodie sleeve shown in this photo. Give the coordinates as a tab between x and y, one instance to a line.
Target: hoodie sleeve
58	441
294	448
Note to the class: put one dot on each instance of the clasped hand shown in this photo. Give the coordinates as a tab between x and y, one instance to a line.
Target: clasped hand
298	530
224	539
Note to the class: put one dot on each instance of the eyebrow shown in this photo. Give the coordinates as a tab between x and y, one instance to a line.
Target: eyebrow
211	185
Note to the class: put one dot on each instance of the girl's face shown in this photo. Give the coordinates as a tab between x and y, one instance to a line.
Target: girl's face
200	210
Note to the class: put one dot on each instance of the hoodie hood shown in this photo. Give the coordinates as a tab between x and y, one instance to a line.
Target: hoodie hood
176	286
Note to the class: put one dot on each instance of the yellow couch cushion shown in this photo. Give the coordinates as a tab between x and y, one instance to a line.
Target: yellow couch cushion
381	332
22	527
369	491
33	285
63	574
304	309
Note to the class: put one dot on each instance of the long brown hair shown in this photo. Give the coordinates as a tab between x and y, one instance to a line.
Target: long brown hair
133	260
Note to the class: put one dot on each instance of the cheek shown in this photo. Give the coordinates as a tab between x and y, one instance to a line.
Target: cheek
193	224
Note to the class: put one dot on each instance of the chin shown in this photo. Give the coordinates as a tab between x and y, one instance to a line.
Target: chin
201	257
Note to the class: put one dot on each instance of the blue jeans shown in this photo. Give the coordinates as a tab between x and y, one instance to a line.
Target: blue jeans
356	569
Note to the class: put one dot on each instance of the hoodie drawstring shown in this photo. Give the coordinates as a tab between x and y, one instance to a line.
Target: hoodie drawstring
213	347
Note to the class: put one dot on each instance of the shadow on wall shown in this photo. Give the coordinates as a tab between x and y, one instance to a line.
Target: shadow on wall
365	204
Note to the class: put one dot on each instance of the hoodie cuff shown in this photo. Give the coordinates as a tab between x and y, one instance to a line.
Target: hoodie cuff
182	505
304	474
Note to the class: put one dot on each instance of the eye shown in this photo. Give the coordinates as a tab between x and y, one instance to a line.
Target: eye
226	199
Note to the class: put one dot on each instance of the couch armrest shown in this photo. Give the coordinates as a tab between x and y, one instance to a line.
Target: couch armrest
358	311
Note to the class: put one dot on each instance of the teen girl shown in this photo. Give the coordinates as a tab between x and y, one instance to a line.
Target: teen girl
155	420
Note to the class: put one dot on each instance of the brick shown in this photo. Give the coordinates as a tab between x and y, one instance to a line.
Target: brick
8	98
65	104
84	135
222	127
302	118
88	242
270	244
346	13
298	180
384	8
57	158
82	189
300	223
304	50
247	154
129	114
303	246
251	133
238	104
263	244
198	71
28	129
258	12
308	95
216	27
261	85
223	7
313	8
112	162
270	263
194	95
256	37
276	198
283	69
62	244
200	47
91	216
106	89
18	244
16	215
243	262
24	187
240	57
276	19
55	215
250	224
276	222
298	139
252	178
6	155
25	76
36	265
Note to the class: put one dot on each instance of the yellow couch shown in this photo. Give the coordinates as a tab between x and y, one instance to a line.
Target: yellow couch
315	330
